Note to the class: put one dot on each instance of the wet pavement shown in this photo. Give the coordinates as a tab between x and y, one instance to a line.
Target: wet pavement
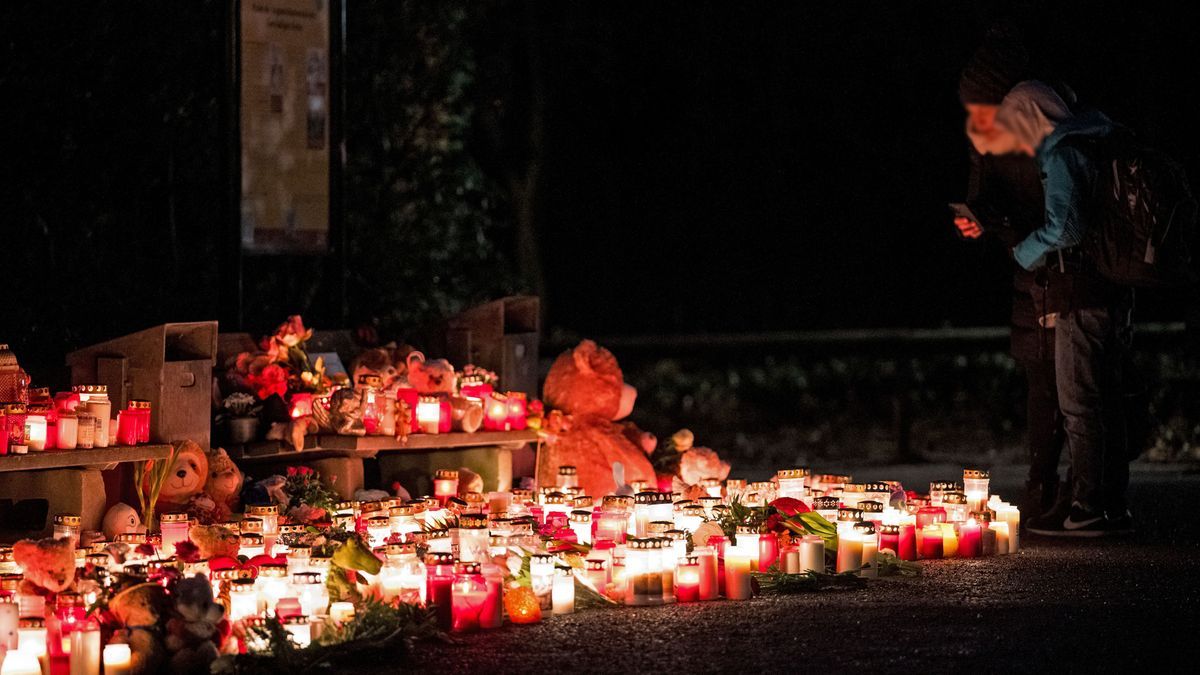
1073	605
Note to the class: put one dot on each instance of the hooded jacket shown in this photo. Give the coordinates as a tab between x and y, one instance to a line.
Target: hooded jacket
1038	117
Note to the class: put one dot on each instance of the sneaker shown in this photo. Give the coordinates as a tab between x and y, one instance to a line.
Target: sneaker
1050	523
1078	523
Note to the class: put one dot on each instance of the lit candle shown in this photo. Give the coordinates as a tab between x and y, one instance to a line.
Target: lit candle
516	410
949	540
581	525
467	595
908	542
1002	537
931	541
738	560
473	538
541	573
445	485
19	662
812	554
311	591
495	413
439	574
341	612
491	615
768	551
429	414
709	587
987	535
568	476
9	623
302	405
85	649
118	660
300	629
792	482
889	539
939	488
174	528
596	572
243	599
969	539
564	592
687	579
849	551
870	545
975	484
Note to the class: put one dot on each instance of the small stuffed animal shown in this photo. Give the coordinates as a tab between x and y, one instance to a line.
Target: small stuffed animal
431	377
140	610
48	563
214	541
186	478
198	627
345	413
121	518
587	386
374	362
468	481
224	483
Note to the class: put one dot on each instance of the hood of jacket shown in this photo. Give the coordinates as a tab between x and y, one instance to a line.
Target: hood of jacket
1085	124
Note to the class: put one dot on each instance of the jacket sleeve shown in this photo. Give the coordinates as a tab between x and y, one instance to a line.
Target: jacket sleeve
1068	183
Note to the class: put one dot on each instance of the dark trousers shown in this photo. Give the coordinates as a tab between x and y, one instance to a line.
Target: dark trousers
1044	434
1090	345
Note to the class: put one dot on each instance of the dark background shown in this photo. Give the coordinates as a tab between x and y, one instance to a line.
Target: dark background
665	167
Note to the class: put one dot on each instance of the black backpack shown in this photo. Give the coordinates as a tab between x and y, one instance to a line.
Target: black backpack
1144	234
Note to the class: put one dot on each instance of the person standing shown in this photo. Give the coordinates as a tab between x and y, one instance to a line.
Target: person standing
1005	191
1090	314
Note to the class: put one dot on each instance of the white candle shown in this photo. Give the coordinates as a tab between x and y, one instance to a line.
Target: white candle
849	552
1002	537
563	592
85	652
341	612
18	662
117	659
812	554
737	574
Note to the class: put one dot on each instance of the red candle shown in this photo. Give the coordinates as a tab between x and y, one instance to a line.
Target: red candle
718	544
446	415
439	568
768	551
931	542
969	539
516	410
474	387
930	514
467	596
302	404
907	543
889	539
127	427
495	413
687	579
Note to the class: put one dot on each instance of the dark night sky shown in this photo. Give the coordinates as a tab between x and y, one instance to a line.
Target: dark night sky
708	166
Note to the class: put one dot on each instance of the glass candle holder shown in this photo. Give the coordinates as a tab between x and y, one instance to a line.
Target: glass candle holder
955	505
429	414
931	541
35	431
445	485
975	485
739	559
243	599
812	553
987	535
826	507
495	413
939	488
402	520
928	515
850	549
271	585
251	544
118	659
596	573
174	527
710	584
541	573
66	526
298	556
872	510
612	521
581	524
468	593
563	593
31	635
687	579
516	403
68	430
792	483
299	627
473	538
568	476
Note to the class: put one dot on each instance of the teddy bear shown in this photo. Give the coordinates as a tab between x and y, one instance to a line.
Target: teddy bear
121	518
345	413
197	628
185	479
586	385
435	376
696	463
48	564
214	541
224	484
140	610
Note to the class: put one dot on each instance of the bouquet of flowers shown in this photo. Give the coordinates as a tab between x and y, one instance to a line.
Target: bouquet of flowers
283	364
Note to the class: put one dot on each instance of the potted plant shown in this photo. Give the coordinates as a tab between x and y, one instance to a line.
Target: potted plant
239	412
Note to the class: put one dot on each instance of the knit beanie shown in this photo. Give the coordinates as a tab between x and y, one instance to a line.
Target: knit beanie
995	68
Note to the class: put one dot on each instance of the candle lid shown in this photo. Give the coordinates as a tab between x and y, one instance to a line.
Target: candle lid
466	568
262	510
847	515
132	538
31	622
140	570
595	564
273	571
659	526
615	502
864	527
472	522
345	506
378	521
563	572
139	404
583	501
306	577
417	505
675	535
370	380
542	558
954	498
974	474
693	510
579	516
889	529
10	582
877	486
801	472
825	503
835	478
554	498
242	586
944	486
402	511
439	558
68	519
445	474
746	529
251	539
299	551
982	516
566	470
520	494
173	517
652	498
14	408
870	506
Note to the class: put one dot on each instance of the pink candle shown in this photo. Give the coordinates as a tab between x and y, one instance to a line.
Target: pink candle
889	539
687	579
495	413
516	410
709	588
968	539
907	542
931	541
768	551
440	579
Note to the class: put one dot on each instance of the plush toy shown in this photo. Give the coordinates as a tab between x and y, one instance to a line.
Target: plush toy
224	484
345	413
121	518
695	463
375	362
214	541
198	627
468	481
431	377
586	384
186	479
140	610
48	564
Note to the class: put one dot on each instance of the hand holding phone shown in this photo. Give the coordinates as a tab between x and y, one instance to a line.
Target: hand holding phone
966	222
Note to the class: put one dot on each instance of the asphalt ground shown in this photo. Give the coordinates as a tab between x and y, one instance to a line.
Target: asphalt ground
1067	605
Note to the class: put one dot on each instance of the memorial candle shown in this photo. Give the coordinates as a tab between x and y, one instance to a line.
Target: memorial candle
849	551
1002	537
975	484
302	405
174	528
439	574
445	485
581	525
949	539
515	400
243	599
687	579
738	560
495	413
118	660
812	554
791	483
429	414
987	536
596	572
870	546
85	649
889	539
541	574
341	612
467	595
955	504
709	587
931	541
563	592
491	615
969	539
19	662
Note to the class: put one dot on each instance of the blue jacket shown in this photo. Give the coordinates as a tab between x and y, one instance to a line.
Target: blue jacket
1069	177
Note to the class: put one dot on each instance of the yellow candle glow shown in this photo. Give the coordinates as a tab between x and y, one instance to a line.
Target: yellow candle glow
949	540
1002	537
429	414
341	612
117	659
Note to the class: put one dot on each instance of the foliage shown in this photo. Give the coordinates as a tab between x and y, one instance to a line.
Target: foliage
774	582
430	229
890	565
304	488
149	478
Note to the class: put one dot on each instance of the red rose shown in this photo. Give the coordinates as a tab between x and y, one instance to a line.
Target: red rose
790	506
187	551
270	380
291	471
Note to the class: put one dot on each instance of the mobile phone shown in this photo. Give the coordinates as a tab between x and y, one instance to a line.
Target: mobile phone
963	211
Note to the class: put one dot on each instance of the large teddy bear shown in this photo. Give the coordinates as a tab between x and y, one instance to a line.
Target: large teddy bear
186	479
586	384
